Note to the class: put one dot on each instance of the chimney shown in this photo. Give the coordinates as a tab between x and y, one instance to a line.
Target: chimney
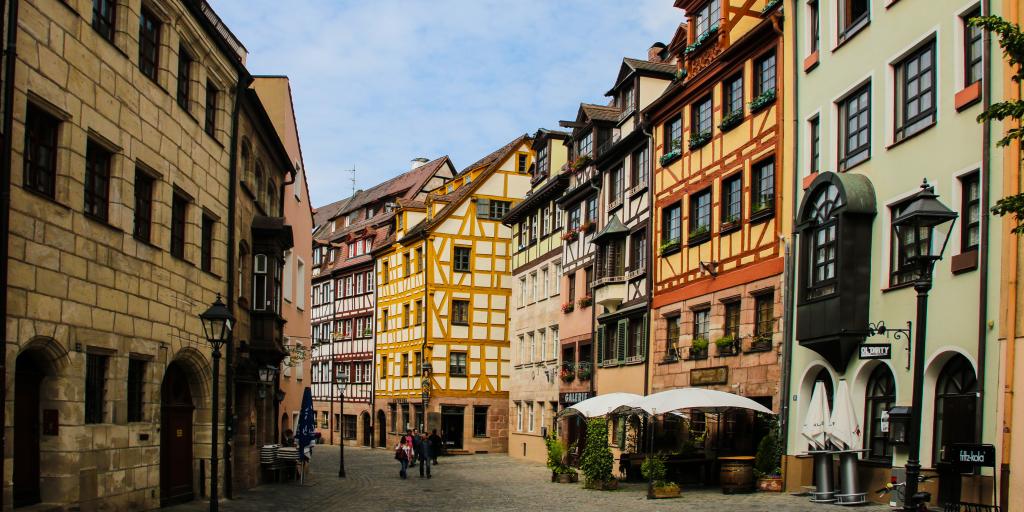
655	51
417	162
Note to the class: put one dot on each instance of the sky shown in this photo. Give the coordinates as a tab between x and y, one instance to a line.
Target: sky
376	84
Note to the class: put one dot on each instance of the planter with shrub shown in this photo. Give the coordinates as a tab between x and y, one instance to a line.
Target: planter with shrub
653	469
597	459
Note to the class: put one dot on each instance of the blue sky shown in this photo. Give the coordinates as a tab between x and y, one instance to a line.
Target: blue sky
379	83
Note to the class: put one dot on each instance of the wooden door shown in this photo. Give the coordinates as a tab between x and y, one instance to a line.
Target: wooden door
28	376
382	436
367	432
452	425
176	438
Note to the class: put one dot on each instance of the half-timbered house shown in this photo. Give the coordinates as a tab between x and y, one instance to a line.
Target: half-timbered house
720	219
444	288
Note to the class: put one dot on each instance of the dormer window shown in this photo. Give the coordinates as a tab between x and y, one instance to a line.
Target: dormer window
708	17
541	167
585	145
627	101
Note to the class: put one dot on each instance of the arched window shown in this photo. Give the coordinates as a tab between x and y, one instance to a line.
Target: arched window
259	183
821	280
879	398
246	161
271	199
956	403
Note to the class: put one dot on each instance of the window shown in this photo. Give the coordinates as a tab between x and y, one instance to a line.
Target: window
532	416
554	342
460	312
103	18
542	344
903	269
813	15
700	323
533	287
763	189
732	200
733	100
572	287
731	324
406	265
822	279
592	209
707	17
615	181
95	384
627	100
637	337
879	398
640	163
405	416
149	44
519	416
384	272
417	363
419	256
638	251
545	276
461	259
492	209
97	181
672	334
522	291
521	163
179	207
574	216
700	214
393	409
973	47
206	253
700	118
211	109
541	169
764	319
970	208
673	134
404	368
457	364
588	276
671	223
531	349
184	77
764	74
384	375
853	15
479	421
915	91
815	131
384	319
855	128
406	315
143	205
136	379
40	151
349	431
266	288
585	144
419	312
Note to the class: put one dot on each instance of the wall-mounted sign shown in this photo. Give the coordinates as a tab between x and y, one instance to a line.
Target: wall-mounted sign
973	455
709	376
571	398
875	351
883	425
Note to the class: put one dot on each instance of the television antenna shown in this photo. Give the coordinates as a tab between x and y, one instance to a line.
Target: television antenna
352	179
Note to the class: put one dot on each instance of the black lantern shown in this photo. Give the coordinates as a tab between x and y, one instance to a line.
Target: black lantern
217	323
915	225
899	424
267	374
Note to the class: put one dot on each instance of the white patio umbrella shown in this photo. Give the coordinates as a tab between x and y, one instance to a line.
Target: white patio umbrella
600	405
707	400
844	428
815	427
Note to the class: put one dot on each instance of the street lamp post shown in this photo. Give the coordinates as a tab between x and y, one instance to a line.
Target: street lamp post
330	391
217	322
914	228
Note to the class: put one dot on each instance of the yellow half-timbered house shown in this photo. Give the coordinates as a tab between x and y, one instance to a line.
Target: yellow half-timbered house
444	289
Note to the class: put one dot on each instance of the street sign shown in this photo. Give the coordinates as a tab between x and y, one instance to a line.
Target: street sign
875	351
974	455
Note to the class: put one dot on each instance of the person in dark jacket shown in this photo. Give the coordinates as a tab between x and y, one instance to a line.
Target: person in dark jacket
435	445
424	455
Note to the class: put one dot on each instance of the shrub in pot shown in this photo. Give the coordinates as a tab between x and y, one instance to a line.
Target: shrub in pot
560	471
768	462
653	469
597	459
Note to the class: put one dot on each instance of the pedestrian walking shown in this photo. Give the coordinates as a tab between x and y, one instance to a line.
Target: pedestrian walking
409	441
424	455
417	448
403	454
436	445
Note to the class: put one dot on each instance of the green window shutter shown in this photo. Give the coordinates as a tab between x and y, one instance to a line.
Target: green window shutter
600	345
642	350
483	208
621	336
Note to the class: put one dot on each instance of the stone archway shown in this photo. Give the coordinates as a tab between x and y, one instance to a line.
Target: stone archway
176	458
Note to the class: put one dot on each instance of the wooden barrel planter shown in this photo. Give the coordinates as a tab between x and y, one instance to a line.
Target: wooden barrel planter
737	475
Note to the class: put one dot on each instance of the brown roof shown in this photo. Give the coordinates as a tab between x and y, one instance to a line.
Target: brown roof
328	211
409	181
646	65
492	156
600	112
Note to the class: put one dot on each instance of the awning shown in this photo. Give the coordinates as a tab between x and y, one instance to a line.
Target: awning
707	400
600	405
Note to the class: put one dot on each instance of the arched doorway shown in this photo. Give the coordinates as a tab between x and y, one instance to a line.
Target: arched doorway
176	411
956	403
367	431
28	376
382	436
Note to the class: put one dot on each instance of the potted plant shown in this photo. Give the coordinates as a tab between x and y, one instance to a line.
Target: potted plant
669	246
586	301
583	371
588	226
673	152
726	345
731	120
570	235
699	348
560	471
763	100
699	42
762	204
762	343
653	469
597	459
567	373
768	461
699	139
567	307
699	231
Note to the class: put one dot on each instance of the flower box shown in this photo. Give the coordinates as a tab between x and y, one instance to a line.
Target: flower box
701	40
584	372
699	349
585	302
701	231
770	484
581	163
570	235
762	344
669	247
568	307
731	120
727	346
663	491
588	227
699	139
567	375
674	153
762	100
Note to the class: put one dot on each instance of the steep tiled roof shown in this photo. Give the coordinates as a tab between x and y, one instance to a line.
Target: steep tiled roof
646	65
410	180
600	112
328	211
492	156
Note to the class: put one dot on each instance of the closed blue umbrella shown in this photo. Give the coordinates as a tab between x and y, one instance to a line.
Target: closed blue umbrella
305	430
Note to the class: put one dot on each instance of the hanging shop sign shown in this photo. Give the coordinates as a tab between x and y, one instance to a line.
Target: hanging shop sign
709	376
875	351
571	398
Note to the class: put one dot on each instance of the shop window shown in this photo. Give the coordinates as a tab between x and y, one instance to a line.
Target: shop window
879	398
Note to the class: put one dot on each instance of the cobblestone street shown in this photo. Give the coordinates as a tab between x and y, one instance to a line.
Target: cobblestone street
472	483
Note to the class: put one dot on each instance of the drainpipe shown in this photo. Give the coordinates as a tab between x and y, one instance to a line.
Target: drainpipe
229	417
593	307
650	258
789	280
11	55
983	250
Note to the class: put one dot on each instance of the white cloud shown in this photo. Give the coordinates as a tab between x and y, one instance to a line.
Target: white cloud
379	83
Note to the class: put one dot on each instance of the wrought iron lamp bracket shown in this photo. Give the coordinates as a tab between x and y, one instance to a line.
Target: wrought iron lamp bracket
880	329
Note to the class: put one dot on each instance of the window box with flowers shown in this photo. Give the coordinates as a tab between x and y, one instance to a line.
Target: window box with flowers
567	374
570	235
762	209
581	163
568	307
727	346
669	247
762	100
699	349
671	156
729	223
701	41
588	227
698	140
731	120
584	371
585	301
699	235
761	343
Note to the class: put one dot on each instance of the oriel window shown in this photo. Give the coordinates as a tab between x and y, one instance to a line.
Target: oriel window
824	244
97	181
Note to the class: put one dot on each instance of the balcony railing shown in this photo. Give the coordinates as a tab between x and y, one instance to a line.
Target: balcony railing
608	144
